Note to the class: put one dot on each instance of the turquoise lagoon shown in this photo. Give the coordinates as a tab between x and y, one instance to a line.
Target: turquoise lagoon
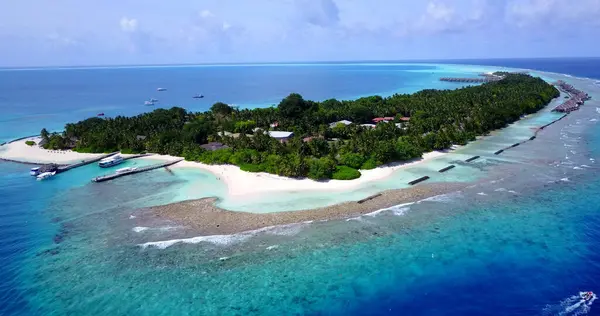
519	241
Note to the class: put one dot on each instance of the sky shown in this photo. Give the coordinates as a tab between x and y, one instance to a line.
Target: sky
122	32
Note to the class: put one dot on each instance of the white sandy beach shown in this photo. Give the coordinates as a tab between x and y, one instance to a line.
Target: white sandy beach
19	151
241	183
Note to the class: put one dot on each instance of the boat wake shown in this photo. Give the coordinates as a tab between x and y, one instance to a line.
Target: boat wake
573	305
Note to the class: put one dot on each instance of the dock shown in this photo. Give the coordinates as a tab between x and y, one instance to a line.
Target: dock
466	80
576	98
62	169
138	170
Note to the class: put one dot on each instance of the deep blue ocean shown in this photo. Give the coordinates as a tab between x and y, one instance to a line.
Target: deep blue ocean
521	244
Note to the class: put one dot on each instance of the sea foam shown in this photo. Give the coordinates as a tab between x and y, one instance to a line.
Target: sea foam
225	240
443	198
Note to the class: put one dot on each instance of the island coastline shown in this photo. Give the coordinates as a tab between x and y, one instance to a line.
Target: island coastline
206	219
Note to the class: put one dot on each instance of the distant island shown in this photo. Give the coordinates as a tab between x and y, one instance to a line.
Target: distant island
319	140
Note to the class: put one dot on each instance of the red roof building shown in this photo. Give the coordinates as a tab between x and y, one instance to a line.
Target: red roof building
383	119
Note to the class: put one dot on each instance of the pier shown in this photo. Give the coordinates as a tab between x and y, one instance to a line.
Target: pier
62	169
138	170
465	80
576	97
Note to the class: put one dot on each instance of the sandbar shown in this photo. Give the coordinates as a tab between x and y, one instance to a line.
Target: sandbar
206	219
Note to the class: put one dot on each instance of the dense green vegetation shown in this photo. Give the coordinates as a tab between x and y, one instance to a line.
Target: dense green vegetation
29	142
438	119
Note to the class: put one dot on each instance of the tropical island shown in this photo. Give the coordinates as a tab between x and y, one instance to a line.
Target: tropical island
331	139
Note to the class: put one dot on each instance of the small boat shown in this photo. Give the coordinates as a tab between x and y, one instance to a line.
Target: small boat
148	103
100	114
198	96
161	89
46	175
126	169
110	161
153	100
34	171
587	297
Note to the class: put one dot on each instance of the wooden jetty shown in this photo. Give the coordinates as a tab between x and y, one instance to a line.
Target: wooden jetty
83	163
368	198
465	80
421	179
576	98
472	158
447	168
134	171
136	156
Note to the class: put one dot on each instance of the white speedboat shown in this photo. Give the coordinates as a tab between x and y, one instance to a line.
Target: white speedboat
161	89
34	171
46	175
587	297
126	169
110	161
148	102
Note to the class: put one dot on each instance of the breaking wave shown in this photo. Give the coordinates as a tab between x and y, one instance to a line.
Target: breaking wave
224	240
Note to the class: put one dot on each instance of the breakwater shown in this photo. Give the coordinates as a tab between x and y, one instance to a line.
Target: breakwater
18	139
134	171
446	168
419	180
369	198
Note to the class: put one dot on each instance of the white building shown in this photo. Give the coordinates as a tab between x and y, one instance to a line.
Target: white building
345	122
280	135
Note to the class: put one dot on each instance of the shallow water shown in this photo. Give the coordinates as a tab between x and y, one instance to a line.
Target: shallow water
518	242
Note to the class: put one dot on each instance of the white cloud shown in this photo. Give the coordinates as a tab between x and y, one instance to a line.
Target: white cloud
439	11
128	25
322	13
206	14
529	12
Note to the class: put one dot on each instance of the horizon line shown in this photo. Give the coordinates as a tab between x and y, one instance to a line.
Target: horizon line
366	61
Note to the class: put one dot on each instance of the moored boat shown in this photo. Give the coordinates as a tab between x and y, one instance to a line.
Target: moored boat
46	175
110	161
198	96
161	89
34	171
